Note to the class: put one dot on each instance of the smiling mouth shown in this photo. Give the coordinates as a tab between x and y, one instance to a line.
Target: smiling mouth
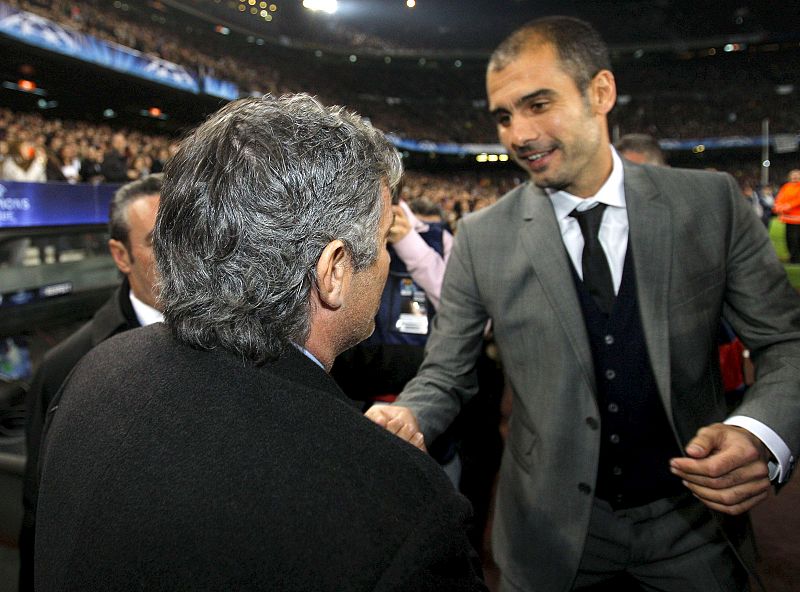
534	156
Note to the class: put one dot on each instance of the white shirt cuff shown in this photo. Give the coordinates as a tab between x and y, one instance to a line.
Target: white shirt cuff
778	471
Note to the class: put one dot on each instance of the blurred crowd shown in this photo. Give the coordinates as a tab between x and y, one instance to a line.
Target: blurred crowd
660	96
664	95
33	148
36	149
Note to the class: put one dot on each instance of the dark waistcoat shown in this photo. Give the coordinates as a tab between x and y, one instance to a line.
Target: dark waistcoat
637	441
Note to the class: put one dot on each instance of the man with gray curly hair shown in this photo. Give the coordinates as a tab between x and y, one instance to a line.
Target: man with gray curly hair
234	462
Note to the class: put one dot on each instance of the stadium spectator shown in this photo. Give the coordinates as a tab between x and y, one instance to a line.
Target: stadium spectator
70	163
427	211
91	170
641	149
759	199
25	162
787	207
115	167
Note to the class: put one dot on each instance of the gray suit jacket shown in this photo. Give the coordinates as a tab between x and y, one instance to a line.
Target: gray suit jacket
699	253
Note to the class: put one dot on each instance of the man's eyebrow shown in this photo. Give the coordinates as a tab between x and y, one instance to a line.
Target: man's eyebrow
537	94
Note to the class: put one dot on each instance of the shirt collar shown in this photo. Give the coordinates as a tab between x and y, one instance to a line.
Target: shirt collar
309	355
146	314
611	193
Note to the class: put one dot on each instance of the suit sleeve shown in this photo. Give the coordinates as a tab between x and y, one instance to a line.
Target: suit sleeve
764	310
447	378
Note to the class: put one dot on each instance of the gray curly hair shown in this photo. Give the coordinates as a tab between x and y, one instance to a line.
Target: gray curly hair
249	202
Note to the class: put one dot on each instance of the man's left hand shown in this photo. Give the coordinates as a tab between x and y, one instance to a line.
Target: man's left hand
726	468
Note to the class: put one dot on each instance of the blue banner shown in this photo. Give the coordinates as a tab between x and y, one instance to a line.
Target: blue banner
53	204
220	88
41	32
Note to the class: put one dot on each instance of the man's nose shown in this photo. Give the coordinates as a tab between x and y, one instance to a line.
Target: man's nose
523	131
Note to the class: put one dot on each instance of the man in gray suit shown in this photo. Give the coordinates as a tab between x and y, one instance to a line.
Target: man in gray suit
605	282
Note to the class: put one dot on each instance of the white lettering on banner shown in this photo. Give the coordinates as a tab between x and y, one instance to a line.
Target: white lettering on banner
10	205
15	203
56	289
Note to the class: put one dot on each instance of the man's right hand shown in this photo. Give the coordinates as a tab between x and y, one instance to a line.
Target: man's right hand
400	421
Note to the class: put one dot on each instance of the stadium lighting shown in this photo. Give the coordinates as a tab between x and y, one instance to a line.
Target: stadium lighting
329	6
26	86
155	113
411	3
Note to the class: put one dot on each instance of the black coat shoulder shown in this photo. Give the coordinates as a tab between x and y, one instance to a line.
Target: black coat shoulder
173	468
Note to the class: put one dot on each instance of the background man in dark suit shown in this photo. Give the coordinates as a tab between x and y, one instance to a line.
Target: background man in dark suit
214	451
132	216
605	282
641	149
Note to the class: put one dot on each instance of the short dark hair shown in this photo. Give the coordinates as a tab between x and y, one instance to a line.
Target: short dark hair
581	50
250	201
118	224
423	206
642	144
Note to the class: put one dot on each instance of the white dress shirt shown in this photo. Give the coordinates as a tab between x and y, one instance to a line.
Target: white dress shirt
146	314
613	236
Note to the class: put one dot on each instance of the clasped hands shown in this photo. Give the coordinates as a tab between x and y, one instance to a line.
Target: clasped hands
400	421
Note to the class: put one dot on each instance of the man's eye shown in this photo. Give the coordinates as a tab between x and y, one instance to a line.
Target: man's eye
502	119
539	106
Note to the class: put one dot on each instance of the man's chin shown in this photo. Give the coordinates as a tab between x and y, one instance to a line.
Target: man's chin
548	183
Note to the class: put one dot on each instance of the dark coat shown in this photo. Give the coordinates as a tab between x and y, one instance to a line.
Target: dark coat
170	468
115	316
114	167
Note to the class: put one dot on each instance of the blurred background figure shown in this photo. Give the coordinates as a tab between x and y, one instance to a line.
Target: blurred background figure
25	162
641	149
787	207
115	168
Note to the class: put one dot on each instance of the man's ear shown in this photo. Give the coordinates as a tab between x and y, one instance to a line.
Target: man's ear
603	89
334	269
119	252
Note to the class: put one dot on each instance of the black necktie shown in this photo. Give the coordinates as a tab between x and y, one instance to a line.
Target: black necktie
596	273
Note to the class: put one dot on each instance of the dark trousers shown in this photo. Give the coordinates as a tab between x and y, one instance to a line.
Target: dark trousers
670	545
793	242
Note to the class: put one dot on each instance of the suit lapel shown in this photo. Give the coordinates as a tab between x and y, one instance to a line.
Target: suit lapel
547	254
650	238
